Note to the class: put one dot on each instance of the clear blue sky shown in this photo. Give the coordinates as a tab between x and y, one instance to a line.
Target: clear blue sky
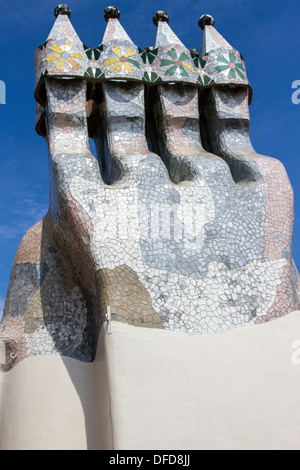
266	32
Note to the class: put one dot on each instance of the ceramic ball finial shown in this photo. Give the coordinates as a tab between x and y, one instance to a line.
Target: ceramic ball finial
160	15
206	20
111	13
62	9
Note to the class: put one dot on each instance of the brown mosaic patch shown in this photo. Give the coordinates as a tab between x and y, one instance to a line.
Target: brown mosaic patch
129	300
34	243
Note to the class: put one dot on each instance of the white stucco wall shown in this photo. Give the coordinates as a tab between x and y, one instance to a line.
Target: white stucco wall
154	389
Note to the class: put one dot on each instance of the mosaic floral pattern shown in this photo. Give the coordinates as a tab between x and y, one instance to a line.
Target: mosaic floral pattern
94	73
235	68
117	57
177	62
204	80
93	54
122	60
200	63
149	54
63	54
44	74
151	77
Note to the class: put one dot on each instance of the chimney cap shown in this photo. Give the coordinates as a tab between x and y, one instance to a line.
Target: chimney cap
160	15
62	9
111	13
206	20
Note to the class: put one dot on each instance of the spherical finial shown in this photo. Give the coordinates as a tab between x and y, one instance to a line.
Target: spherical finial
206	20
194	53
111	12
62	9
160	16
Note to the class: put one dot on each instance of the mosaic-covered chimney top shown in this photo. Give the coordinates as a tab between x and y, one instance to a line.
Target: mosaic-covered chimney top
118	58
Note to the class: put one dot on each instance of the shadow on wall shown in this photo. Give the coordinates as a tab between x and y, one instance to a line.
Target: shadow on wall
94	393
68	313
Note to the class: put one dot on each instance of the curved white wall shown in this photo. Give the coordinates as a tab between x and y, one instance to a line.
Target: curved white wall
154	389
